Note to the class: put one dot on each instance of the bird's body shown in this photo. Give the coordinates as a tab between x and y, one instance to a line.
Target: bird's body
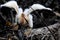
31	17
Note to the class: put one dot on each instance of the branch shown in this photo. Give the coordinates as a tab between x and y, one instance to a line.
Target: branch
44	30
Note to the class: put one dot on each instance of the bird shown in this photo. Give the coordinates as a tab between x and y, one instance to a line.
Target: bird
22	16
32	8
8	12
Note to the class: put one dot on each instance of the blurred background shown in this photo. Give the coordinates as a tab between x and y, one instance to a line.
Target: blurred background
53	4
